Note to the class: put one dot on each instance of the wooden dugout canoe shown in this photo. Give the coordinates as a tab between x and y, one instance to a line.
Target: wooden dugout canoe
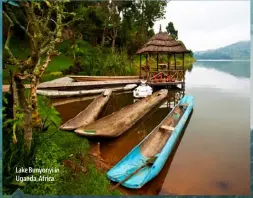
119	122
59	94
87	84
89	114
102	78
133	170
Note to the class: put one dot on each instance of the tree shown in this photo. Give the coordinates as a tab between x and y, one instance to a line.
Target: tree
138	18
43	26
172	31
125	24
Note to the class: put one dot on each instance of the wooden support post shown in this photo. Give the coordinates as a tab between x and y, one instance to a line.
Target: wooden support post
168	62
148	57
147	66
168	65
140	67
157	61
175	61
147	60
183	60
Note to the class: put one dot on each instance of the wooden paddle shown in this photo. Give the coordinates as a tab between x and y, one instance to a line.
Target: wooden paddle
150	161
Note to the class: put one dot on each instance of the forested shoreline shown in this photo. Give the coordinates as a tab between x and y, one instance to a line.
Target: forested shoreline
46	40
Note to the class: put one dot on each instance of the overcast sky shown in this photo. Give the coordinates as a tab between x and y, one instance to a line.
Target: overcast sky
206	25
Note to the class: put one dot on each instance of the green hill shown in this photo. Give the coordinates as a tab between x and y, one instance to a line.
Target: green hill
236	51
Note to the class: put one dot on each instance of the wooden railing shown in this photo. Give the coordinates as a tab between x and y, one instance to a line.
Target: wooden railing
166	76
179	75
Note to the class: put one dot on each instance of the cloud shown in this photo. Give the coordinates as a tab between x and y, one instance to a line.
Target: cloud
206	25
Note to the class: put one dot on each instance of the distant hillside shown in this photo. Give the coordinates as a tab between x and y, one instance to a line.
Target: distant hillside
236	51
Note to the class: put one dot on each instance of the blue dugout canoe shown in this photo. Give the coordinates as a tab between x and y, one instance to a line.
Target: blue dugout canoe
158	146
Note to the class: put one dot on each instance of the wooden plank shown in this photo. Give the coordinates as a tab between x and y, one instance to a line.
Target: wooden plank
166	128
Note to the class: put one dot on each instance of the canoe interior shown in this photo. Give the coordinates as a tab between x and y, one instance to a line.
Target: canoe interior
89	114
119	122
157	140
159	144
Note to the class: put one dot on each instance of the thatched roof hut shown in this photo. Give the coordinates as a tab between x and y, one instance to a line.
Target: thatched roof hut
162	42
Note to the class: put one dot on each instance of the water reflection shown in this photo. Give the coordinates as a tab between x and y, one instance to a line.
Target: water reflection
189	67
235	68
210	75
213	156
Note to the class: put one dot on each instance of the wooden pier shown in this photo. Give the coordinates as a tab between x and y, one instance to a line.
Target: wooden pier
114	84
167	84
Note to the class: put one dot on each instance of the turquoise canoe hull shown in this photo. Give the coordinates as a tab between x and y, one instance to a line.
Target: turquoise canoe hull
134	159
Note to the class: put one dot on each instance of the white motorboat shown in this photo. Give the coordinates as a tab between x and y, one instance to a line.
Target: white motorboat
143	90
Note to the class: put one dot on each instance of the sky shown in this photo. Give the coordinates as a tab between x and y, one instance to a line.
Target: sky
251	98
251	72
204	25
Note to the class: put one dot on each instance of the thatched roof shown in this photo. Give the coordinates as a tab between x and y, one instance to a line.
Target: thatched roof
162	42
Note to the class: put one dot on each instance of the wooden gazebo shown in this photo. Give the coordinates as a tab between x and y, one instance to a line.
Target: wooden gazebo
162	73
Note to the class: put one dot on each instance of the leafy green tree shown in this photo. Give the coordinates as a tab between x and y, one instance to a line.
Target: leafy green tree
172	31
42	22
117	23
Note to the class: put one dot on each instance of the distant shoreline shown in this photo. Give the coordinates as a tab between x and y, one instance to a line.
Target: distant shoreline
221	60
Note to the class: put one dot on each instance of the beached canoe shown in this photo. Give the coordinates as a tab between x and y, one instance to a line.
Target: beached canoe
119	122
102	78
60	94
89	114
147	159
87	84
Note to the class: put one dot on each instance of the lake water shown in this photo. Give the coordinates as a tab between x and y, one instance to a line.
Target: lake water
213	157
213	154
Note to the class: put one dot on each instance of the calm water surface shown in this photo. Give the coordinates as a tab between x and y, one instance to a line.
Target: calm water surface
213	155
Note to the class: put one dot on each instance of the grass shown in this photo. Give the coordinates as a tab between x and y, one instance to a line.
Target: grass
52	72
93	182
21	50
60	149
